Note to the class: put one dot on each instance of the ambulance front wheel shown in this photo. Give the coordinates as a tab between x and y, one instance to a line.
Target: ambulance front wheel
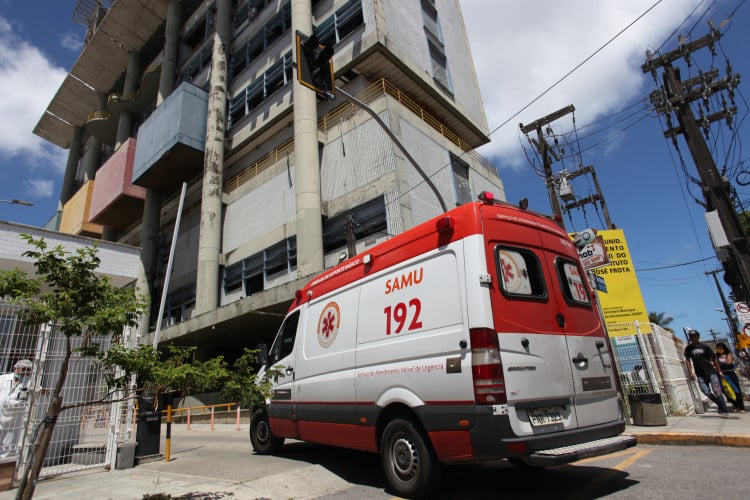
263	441
409	463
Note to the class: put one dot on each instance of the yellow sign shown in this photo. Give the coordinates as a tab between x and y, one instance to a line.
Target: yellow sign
623	304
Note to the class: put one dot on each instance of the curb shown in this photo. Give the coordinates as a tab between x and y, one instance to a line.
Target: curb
686	438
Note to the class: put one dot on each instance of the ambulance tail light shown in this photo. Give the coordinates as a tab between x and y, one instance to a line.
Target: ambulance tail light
486	368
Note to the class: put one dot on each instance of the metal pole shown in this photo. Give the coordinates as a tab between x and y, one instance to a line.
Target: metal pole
165	287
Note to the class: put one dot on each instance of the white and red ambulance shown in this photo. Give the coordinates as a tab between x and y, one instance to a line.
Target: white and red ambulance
470	337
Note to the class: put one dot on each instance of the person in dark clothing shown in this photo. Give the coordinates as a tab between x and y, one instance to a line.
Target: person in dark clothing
726	363
702	366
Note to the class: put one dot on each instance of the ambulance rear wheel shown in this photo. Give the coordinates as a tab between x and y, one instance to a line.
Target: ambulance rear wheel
409	463
263	441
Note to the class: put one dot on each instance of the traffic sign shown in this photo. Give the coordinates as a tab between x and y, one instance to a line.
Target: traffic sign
743	312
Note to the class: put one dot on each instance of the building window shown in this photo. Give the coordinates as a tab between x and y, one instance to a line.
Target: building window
253	272
436	45
345	20
461	185
179	305
249	10
260	89
276	27
366	219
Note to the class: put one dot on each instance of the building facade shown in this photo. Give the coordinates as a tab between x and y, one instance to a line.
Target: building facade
280	183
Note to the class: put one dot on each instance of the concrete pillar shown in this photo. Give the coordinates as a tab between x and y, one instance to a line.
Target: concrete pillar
92	157
209	243
307	161
168	73
69	179
149	249
129	88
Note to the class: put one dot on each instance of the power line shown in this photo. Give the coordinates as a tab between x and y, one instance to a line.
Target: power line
675	265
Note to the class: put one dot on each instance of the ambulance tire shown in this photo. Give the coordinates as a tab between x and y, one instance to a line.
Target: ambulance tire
264	443
409	463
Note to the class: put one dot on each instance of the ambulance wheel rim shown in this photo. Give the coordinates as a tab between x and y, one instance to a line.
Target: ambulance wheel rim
405	457
263	431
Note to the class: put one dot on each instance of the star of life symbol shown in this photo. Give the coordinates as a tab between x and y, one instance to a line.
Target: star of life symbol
328	324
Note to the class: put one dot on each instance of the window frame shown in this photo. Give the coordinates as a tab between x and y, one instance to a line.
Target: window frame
564	283
537	280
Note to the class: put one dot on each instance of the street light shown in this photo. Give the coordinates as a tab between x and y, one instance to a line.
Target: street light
15	201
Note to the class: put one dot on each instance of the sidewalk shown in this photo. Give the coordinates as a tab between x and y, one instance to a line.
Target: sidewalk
706	428
220	464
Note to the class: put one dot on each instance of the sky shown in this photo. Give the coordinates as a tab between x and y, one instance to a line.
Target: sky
532	59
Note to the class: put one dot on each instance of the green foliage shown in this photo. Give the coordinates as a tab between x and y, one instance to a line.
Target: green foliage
661	319
243	386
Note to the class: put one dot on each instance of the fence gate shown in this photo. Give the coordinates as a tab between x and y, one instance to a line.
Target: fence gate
653	363
84	437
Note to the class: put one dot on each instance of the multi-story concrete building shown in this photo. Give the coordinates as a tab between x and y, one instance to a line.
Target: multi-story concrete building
280	183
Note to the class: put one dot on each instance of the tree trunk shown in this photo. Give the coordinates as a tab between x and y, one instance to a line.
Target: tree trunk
38	451
39	447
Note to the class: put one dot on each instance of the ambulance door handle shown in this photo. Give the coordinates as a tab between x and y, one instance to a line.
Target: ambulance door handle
560	320
580	359
289	370
599	344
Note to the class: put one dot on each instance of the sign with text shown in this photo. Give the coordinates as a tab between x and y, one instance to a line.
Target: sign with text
594	254
623	304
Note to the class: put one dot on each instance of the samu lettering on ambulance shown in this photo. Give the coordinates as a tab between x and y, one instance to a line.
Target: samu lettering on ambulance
404	281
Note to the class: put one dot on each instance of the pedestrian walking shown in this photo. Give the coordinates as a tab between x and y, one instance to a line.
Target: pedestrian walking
704	368
726	363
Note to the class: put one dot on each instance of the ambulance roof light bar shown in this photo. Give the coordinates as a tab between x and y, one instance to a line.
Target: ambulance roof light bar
489	197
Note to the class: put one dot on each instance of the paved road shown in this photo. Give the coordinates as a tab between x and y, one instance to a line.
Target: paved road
218	465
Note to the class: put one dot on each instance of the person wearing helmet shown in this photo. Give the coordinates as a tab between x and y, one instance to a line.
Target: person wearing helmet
11	407
704	368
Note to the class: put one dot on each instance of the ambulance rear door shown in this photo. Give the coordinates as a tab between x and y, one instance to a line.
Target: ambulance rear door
534	352
595	397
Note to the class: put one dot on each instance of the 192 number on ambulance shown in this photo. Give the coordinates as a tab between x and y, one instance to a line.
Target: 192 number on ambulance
396	317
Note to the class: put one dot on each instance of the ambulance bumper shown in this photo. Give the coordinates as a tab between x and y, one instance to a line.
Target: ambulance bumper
567	454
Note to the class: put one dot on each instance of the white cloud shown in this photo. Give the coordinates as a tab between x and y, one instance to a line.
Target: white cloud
71	41
42	188
28	81
519	52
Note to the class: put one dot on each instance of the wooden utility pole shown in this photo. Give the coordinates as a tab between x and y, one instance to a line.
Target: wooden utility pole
598	197
544	150
676	97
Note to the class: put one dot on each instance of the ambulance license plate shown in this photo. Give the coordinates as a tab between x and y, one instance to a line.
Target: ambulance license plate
545	416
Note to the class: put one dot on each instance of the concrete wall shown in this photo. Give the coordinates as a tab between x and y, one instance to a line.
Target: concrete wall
405	35
120	262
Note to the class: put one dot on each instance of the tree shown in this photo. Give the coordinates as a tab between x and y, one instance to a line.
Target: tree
661	319
68	294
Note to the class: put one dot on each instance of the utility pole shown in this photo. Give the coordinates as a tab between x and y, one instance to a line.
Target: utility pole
594	198
544	150
727	310
675	97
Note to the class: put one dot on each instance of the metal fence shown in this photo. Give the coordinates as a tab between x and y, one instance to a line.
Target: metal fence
84	436
653	363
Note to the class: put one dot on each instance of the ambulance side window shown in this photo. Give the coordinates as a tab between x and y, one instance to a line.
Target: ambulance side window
520	273
571	279
284	343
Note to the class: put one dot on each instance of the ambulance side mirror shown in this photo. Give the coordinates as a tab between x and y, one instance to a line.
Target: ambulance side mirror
262	354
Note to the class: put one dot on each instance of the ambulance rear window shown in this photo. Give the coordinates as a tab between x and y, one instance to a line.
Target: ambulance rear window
571	278
520	273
